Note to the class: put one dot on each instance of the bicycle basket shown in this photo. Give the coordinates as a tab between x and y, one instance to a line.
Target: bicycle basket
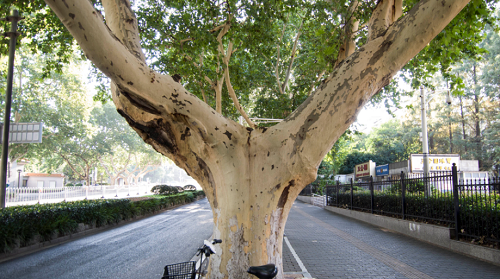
186	270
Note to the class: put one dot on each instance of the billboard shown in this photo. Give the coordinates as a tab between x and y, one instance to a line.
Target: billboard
382	170
24	132
364	170
437	162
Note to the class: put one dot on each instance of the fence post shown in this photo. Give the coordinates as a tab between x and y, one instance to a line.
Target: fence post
103	191
86	192
371	194
337	194
403	195
352	195
456	200
39	195
65	193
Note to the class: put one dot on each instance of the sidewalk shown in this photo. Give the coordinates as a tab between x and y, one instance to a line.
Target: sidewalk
333	246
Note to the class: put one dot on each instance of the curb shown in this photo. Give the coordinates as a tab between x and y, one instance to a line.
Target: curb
19	252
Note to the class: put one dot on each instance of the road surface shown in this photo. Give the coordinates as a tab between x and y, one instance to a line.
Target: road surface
137	250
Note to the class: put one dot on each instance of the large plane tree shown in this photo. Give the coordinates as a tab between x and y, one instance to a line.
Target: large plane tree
174	65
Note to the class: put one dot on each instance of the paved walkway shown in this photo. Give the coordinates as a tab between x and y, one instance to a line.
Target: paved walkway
333	246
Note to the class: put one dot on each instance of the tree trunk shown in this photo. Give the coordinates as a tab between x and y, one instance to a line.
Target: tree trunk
252	224
250	176
464	135
477	138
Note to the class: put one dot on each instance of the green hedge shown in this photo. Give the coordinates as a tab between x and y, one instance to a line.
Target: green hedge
479	214
23	223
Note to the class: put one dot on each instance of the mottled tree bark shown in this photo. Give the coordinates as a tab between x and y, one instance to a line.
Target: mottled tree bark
250	176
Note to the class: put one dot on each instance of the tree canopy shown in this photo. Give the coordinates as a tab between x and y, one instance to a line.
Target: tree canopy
282	50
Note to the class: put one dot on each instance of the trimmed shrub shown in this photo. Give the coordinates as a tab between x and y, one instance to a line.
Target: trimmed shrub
189	188
164	190
179	188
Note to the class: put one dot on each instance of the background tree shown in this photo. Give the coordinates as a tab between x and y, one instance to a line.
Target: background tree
45	32
128	156
56	99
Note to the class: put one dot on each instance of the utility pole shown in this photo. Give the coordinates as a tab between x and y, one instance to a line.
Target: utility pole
8	101
425	144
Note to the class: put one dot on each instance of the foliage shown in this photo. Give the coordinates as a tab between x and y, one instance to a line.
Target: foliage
24	223
179	37
256	30
46	97
164	190
77	133
460	40
46	32
469	126
127	156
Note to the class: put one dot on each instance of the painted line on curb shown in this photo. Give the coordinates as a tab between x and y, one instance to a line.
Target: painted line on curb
305	273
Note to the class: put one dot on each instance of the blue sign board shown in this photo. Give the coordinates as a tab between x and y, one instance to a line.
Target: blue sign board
382	170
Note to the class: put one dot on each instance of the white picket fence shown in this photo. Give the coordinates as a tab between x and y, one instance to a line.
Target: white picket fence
25	196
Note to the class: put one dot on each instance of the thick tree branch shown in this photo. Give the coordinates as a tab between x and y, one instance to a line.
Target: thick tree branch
226	56
385	14
217	87
122	21
230	88
314	82
351	27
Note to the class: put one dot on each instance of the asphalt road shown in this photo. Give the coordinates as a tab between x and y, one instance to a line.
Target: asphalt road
137	250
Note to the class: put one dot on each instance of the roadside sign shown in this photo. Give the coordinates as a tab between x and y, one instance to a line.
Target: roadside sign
24	132
382	170
437	162
364	170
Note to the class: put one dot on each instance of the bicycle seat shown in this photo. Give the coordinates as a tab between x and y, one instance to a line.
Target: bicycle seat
267	271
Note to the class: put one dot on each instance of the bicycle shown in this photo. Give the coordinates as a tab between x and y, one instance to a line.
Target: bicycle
188	270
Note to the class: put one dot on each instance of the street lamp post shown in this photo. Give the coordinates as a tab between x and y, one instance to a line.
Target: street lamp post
425	140
8	99
448	101
19	178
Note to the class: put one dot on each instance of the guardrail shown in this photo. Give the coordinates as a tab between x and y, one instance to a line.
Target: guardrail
24	195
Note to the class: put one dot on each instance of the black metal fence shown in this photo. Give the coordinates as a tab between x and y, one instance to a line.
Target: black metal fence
472	207
479	215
